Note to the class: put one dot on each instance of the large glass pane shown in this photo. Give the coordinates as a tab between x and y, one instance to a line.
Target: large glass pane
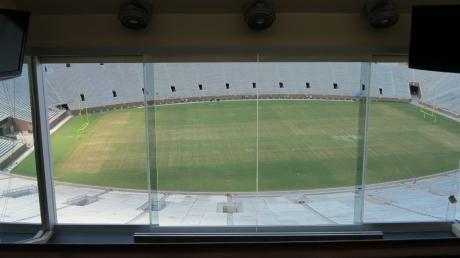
96	114
414	145
205	143
309	138
18	187
257	143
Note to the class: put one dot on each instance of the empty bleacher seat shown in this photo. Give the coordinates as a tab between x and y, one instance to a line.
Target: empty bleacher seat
6	145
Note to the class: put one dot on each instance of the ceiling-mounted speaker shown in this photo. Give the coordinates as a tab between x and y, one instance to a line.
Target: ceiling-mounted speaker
135	14
381	13
260	15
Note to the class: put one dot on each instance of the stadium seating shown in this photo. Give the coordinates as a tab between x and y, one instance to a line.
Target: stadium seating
53	113
392	78
15	97
267	77
5	146
440	89
64	84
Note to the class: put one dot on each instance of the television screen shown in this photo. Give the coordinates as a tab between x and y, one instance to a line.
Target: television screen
435	41
13	33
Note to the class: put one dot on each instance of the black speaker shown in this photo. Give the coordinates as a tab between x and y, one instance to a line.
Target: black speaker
381	13
135	15
259	16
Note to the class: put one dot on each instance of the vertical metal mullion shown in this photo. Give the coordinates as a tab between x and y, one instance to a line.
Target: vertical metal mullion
257	144
150	135
43	159
365	84
147	142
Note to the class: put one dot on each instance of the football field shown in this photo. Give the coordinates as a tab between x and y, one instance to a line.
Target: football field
220	147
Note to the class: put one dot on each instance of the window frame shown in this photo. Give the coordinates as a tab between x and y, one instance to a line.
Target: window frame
46	184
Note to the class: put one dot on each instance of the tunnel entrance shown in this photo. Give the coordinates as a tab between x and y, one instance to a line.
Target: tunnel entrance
415	91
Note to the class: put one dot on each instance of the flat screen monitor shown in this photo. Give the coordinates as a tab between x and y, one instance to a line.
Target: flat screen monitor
435	38
13	35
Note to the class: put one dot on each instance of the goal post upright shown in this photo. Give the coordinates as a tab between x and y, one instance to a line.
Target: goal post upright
84	118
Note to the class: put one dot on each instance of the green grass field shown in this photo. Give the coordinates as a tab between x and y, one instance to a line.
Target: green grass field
212	146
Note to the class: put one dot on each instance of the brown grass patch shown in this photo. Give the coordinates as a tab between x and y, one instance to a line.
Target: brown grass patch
94	148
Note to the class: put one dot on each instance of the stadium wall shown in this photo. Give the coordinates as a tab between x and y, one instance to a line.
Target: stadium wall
5	126
21	125
441	110
24	126
272	96
58	119
233	97
75	112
